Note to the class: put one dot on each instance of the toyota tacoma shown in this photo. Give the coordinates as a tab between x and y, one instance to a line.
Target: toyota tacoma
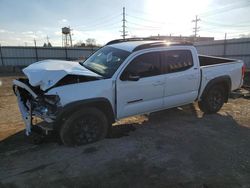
81	100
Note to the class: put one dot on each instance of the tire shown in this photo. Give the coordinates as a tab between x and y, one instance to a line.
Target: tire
213	101
83	127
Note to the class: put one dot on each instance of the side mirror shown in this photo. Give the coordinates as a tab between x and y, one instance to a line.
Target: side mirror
133	78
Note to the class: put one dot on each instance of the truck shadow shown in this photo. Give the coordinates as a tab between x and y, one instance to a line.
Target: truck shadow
123	129
179	147
166	119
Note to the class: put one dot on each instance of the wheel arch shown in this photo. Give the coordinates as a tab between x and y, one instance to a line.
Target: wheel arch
102	104
224	81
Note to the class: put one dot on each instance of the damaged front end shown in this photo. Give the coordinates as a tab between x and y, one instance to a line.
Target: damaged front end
42	77
33	102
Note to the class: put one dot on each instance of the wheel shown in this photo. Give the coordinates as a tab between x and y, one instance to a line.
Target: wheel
84	126
213	100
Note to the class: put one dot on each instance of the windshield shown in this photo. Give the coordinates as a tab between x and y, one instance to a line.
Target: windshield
106	61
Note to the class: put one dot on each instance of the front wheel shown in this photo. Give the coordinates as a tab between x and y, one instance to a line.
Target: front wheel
213	100
84	126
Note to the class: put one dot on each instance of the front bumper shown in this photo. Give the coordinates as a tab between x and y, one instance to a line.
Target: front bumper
32	105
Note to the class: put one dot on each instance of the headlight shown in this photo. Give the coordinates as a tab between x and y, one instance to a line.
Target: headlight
52	99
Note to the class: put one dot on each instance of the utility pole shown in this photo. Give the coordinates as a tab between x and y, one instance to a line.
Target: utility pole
47	39
225	46
124	32
35	42
1	54
196	28
36	50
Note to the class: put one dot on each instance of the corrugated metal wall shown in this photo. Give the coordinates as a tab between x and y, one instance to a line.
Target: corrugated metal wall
23	56
233	48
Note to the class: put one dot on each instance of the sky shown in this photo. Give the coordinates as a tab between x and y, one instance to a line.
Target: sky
22	21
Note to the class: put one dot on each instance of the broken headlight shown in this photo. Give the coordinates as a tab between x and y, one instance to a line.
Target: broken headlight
52	99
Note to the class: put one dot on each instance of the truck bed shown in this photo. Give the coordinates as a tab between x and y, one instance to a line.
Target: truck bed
209	60
213	67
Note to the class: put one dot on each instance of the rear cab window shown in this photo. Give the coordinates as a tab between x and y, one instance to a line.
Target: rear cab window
176	60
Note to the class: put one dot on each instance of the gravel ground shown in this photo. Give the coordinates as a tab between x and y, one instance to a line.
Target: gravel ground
180	147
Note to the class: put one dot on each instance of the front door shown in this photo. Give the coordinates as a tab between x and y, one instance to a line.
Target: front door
140	88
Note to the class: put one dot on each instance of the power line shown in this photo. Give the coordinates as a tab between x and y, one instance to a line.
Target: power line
100	21
140	12
229	7
218	30
145	20
102	26
225	25
103	18
217	27
145	26
140	28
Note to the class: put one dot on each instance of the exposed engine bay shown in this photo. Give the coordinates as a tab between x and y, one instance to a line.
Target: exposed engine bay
43	76
34	102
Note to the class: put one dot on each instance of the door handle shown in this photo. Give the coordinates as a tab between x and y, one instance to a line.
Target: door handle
157	83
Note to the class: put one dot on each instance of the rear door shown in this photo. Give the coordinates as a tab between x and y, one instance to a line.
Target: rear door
182	77
146	93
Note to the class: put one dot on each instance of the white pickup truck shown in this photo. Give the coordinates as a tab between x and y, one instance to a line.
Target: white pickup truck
81	100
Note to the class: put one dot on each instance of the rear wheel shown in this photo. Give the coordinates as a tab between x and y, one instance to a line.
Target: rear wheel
84	126
213	100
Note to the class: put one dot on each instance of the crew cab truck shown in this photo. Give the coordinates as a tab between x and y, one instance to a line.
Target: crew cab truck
81	100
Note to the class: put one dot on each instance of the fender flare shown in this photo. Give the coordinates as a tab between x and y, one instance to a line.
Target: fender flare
221	80
102	104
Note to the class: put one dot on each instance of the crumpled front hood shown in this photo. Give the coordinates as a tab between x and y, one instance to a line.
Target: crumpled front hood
48	72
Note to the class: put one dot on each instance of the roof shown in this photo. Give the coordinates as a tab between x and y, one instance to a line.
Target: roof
135	45
130	46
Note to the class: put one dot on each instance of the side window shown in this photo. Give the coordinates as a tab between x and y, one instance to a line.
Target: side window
176	60
144	65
